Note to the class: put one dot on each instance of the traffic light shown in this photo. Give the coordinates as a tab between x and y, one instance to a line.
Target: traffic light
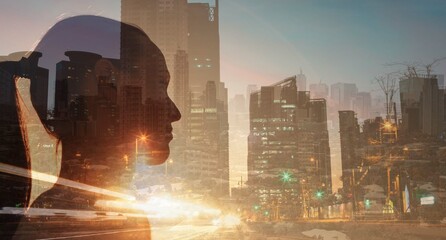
319	194
367	203
285	176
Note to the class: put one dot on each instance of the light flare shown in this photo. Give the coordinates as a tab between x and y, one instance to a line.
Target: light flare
43	177
163	208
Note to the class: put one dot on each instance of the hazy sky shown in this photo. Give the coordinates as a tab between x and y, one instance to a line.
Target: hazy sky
265	41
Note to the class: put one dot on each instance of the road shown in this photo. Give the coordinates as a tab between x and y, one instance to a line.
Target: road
246	231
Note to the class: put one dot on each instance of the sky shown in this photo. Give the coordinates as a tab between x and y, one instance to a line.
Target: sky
332	41
265	41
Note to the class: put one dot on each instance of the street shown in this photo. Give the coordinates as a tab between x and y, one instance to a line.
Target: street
200	230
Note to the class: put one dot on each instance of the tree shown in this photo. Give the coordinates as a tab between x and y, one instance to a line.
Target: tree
387	84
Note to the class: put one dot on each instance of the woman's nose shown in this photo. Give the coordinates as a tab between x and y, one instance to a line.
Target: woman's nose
174	114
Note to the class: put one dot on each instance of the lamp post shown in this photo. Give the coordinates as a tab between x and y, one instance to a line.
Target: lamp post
170	161
126	161
305	209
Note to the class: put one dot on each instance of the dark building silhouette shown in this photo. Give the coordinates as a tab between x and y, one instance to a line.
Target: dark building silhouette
422	106
349	134
86	95
17	64
371	131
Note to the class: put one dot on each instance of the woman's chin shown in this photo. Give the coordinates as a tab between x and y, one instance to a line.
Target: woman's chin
159	156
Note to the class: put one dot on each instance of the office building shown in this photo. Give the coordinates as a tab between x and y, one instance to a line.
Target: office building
164	21
319	90
342	95
301	80
87	95
422	106
362	104
349	134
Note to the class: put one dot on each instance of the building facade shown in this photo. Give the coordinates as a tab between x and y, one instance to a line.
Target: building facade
288	145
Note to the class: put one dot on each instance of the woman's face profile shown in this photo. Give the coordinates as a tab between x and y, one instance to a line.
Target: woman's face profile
110	88
105	83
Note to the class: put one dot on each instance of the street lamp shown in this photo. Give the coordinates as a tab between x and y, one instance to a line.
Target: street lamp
142	138
388	129
316	162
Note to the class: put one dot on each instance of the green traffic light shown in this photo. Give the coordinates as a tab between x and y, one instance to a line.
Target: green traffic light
285	176
367	203
319	194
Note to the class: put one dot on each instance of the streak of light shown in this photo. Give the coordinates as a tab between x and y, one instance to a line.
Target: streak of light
163	208
79	214
6	168
96	234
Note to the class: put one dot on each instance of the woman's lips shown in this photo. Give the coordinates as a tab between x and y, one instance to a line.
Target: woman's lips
168	137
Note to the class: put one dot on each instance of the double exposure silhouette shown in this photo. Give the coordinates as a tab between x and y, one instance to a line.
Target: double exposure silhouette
110	89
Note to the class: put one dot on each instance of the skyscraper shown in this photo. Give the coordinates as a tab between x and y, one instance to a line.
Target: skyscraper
342	95
301	81
362	104
86	95
188	36
288	130
203	45
209	97
349	134
288	135
319	90
181	92
164	21
422	106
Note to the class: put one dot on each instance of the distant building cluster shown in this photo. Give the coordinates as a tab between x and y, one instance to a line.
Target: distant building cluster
394	165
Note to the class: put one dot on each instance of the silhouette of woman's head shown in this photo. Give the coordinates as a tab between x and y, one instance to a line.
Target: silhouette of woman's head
110	86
